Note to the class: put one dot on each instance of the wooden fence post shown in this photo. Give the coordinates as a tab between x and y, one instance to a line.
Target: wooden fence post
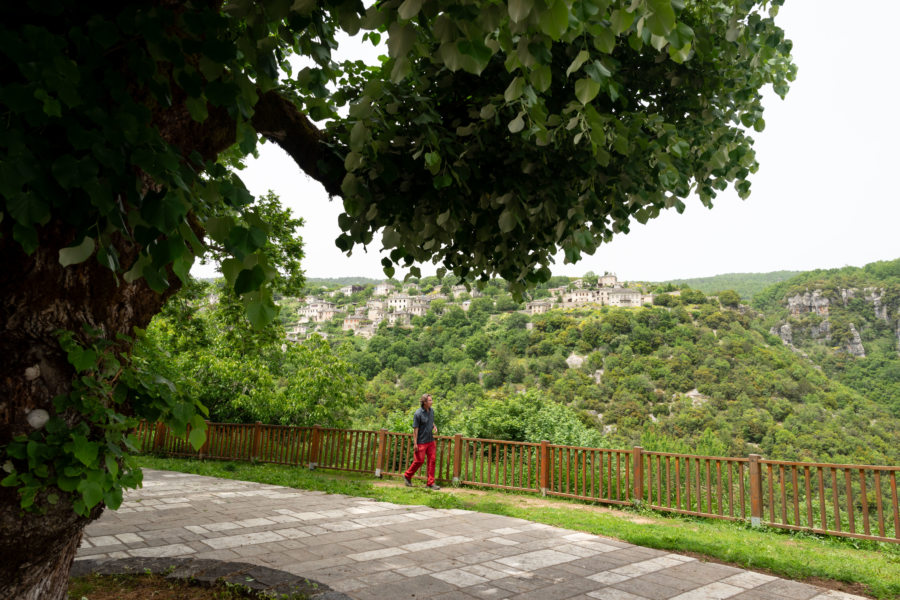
314	447
457	457
756	491
205	446
637	467
545	466
382	448
158	439
144	430
254	451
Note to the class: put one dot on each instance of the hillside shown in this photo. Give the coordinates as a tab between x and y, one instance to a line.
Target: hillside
696	378
334	282
847	321
747	285
687	374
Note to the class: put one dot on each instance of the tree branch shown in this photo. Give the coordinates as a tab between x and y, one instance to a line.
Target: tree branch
279	120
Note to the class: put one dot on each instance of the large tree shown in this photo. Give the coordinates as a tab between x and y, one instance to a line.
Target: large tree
494	134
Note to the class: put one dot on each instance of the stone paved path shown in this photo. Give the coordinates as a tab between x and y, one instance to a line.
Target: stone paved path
370	549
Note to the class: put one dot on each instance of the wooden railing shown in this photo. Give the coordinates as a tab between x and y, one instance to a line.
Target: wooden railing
859	501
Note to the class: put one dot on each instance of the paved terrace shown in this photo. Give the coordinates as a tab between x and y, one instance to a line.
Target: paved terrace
368	549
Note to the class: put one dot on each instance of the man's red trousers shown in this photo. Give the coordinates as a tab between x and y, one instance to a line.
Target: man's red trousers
423	451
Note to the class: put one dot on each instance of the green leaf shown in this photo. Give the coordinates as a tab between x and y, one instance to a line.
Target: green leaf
519	9
433	162
555	21
680	55
197	438
597	71
409	8
249	280
621	20
231	267
604	40
579	60
541	78
218	228
733	33
401	40
67	484
84	450
662	21
451	55
441	181
91	493
82	359
507	221
586	90
261	312
112	466
514	89
77	254
517	124
27	209
402	68
389	237
359	134
197	108
113	497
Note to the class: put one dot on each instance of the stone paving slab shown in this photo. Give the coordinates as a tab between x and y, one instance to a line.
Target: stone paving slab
378	550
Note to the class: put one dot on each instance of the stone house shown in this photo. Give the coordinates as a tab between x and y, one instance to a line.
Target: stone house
458	290
297	332
607	280
399	302
579	297
418	309
624	297
399	319
538	307
383	289
354	323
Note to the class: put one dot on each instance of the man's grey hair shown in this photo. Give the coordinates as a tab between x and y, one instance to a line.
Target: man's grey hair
423	399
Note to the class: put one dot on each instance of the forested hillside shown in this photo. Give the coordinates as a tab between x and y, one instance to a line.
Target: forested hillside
698	378
747	285
846	320
688	374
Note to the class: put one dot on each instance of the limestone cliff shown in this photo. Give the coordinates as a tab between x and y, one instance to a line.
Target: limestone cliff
810	315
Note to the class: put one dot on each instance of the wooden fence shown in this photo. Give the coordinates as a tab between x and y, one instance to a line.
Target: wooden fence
857	501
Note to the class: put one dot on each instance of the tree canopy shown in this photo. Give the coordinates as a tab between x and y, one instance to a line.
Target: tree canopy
493	135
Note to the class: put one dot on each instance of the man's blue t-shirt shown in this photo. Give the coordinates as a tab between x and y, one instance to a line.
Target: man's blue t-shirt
424	420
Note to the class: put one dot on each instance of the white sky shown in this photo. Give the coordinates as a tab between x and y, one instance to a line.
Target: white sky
825	194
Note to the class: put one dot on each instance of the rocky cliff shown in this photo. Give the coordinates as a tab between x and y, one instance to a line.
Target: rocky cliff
803	309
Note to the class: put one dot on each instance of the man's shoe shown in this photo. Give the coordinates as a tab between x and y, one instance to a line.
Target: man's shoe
408	482
433	487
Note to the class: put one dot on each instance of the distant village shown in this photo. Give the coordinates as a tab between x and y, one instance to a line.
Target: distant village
396	305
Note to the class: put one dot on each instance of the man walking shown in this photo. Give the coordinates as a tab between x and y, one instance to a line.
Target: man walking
423	435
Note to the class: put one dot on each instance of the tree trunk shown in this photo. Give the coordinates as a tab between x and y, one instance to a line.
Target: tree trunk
38	297
36	550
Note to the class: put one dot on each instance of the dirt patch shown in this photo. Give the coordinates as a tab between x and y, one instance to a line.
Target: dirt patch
141	587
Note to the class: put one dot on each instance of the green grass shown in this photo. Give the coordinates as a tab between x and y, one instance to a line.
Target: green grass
800	556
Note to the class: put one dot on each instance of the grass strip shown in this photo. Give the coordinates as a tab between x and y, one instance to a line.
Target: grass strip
871	568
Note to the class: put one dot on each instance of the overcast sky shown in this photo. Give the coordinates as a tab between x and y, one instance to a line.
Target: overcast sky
825	195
